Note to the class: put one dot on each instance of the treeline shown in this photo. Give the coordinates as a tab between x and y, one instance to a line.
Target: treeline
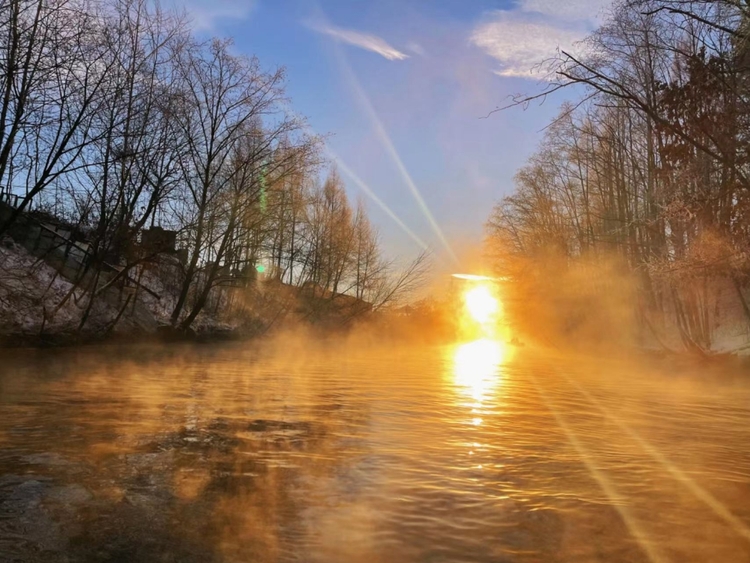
645	179
116	117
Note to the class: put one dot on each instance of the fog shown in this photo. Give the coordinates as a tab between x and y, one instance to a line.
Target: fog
369	447
206	354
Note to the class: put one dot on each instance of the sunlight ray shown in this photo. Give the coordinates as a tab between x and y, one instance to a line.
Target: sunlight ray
632	524
365	188
702	494
364	99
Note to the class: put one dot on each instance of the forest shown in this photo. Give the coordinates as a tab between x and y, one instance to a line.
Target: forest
633	216
117	120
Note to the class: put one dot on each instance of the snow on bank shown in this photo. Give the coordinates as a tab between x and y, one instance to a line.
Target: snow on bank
31	290
35	300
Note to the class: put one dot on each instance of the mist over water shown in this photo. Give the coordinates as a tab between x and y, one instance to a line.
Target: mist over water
334	452
157	185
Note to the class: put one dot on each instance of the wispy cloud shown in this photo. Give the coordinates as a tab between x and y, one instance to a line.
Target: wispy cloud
416	48
364	41
523	38
205	15
520	46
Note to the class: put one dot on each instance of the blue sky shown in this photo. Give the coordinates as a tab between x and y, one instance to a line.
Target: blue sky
399	87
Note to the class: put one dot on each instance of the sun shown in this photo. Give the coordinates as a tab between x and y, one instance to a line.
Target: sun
481	305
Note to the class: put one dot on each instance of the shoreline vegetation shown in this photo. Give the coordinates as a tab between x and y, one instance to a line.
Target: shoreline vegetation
154	183
631	222
125	316
169	191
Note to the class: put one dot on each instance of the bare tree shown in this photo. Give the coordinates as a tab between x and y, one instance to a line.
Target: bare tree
651	167
52	84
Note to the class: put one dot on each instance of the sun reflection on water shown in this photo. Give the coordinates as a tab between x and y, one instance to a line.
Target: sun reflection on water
476	368
477	376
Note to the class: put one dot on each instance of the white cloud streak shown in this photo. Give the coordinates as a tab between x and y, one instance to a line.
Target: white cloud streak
521	46
523	38
364	41
416	48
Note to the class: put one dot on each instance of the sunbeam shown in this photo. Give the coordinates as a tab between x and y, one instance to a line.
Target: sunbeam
712	502
365	188
364	99
235	320
631	523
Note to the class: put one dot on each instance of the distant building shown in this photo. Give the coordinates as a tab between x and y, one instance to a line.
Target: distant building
158	241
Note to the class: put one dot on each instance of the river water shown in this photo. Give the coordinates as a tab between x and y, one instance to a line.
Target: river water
476	452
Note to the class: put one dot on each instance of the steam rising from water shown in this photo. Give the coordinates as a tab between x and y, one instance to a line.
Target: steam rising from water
477	450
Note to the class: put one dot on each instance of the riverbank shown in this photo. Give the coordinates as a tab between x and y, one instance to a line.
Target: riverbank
165	335
40	307
42	304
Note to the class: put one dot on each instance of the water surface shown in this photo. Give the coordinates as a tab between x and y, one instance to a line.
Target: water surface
473	452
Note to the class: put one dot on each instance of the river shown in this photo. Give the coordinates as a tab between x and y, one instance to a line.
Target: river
333	452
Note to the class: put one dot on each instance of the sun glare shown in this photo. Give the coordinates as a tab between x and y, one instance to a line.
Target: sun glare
476	365
481	305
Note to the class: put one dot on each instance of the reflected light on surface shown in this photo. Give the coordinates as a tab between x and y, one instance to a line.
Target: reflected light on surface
481	304
476	364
